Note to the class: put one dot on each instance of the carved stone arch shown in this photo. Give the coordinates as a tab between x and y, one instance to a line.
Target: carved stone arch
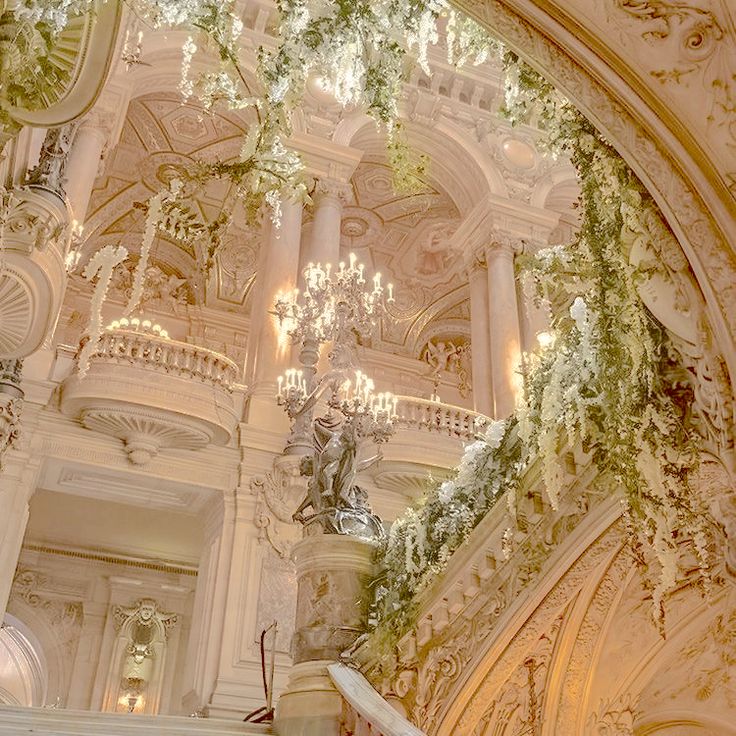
23	666
557	190
465	171
164	72
693	210
56	626
567	709
676	722
421	328
585	554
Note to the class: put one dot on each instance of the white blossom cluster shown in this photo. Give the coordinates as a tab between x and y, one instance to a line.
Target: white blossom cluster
600	383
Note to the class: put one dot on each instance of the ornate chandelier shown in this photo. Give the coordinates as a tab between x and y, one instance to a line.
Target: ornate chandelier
334	307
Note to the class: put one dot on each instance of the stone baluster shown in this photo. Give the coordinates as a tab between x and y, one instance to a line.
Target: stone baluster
480	333
503	313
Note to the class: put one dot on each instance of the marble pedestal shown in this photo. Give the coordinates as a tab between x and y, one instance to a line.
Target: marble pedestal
332	573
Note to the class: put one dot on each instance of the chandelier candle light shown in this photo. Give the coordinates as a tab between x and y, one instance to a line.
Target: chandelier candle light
334	307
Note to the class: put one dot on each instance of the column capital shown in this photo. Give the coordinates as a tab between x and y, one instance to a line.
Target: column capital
474	259
328	188
101	123
504	244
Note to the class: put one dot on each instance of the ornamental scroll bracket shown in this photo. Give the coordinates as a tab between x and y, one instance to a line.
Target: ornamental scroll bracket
278	494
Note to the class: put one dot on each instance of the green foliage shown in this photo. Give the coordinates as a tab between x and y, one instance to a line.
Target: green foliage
601	383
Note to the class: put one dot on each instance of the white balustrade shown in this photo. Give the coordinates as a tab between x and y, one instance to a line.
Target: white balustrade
152	392
166	356
434	416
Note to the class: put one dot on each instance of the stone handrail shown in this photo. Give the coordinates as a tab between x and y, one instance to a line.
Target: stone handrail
56	721
166	356
434	416
365	712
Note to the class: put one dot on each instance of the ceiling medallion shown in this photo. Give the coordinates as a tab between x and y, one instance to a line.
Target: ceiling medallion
354	227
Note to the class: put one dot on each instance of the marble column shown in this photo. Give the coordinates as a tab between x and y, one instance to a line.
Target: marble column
503	311
83	163
271	349
323	245
480	335
535	314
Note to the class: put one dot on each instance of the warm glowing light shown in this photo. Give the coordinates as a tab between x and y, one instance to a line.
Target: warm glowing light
545	339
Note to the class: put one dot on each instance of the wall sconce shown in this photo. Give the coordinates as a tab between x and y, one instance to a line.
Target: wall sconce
132	688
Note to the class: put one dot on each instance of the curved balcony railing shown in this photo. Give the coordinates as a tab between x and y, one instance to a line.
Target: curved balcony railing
434	416
166	356
152	392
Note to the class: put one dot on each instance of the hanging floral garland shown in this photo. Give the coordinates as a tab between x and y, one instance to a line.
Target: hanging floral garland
100	266
601	383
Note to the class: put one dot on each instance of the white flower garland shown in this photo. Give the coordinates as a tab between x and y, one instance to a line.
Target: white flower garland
101	265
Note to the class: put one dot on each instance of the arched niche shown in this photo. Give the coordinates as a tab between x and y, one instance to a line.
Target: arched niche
23	669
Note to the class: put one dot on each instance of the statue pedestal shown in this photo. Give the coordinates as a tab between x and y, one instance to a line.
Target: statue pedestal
332	603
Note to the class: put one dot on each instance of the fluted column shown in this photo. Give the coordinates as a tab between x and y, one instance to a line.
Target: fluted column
271	353
503	312
323	245
480	336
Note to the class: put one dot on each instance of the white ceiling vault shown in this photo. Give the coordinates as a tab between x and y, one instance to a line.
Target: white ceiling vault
473	157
